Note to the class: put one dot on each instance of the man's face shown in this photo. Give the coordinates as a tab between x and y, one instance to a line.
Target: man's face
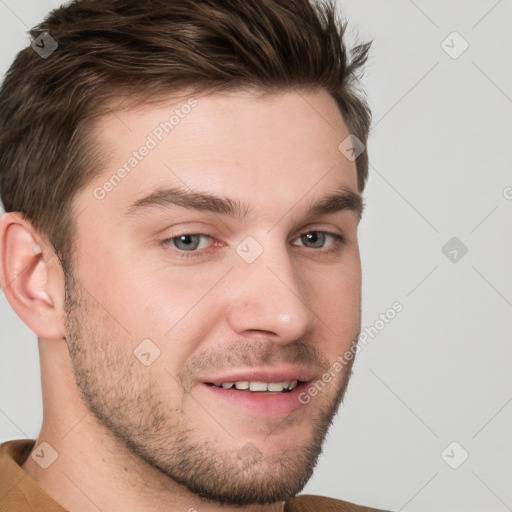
167	302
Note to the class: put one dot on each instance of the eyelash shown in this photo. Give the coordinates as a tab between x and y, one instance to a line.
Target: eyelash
339	240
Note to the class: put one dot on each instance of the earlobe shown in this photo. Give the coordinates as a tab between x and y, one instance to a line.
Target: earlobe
26	276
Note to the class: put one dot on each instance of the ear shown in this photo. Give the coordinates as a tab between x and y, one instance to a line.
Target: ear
31	276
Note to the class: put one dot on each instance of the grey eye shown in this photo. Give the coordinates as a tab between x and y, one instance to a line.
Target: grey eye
315	239
186	242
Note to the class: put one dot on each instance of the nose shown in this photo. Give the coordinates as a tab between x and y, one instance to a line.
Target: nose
269	299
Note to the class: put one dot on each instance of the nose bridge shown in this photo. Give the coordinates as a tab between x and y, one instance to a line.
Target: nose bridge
270	295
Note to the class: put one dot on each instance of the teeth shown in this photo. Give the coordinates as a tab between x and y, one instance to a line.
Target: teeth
258	386
261	386
275	386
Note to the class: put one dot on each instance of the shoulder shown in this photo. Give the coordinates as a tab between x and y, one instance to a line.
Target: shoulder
312	503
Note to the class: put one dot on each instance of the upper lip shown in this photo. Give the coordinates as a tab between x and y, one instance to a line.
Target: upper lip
269	374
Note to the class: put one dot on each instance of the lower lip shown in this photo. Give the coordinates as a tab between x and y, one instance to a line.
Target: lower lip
265	404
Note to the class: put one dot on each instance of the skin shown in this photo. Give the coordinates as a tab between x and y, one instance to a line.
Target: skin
136	437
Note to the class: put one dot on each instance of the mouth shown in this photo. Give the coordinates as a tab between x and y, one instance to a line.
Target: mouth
258	386
262	393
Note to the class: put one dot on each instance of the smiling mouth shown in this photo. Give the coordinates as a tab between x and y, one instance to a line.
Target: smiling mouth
259	387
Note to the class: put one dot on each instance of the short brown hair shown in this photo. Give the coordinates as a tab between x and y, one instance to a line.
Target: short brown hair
145	49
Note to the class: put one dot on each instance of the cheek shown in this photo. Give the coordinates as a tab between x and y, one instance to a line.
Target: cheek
154	299
337	302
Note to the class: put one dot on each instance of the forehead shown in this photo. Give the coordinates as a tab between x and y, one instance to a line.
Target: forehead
236	143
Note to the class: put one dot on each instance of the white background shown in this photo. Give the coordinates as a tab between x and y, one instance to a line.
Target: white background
441	164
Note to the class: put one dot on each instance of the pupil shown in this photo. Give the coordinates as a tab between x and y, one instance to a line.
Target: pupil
314	239
187	242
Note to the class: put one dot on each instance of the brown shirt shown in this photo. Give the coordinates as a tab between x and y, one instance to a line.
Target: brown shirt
19	492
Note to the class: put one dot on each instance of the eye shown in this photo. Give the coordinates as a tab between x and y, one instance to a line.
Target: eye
317	239
189	242
195	243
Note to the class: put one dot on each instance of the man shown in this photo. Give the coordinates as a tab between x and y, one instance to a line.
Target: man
182	184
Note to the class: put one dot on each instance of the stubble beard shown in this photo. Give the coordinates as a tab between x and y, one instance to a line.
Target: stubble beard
159	435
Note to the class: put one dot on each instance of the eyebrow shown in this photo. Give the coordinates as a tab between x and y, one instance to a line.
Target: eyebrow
342	199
